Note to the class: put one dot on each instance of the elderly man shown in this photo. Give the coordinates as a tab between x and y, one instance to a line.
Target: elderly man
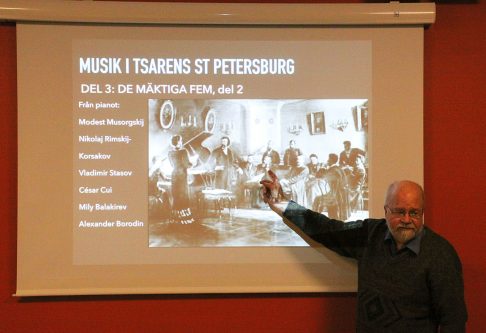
409	277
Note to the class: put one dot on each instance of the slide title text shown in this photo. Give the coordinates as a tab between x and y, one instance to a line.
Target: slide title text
180	66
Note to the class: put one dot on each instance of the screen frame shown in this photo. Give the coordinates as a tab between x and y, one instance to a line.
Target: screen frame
228	282
109	12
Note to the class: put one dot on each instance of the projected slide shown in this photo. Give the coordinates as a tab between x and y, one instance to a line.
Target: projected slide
170	147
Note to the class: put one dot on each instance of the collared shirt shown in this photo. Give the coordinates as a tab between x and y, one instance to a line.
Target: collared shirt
413	245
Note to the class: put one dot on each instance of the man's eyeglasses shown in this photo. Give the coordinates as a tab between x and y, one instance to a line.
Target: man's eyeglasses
412	213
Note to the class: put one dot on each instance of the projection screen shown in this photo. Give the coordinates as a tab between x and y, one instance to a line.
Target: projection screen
141	148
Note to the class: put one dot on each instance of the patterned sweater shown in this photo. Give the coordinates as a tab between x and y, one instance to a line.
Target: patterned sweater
406	292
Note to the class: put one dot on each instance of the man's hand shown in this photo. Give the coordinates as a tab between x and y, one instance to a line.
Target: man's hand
272	193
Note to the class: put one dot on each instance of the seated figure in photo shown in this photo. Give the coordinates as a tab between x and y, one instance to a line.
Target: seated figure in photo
316	185
253	184
158	191
244	173
294	182
335	202
348	157
314	166
356	183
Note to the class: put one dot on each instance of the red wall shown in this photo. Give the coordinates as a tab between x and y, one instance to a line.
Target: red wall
455	116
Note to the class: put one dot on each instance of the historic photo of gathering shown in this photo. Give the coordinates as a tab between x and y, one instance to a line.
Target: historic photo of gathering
207	157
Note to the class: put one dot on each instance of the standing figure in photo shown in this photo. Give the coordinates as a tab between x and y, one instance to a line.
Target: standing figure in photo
224	159
274	155
181	202
347	158
291	155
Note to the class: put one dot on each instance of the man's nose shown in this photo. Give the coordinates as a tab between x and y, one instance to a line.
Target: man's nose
406	218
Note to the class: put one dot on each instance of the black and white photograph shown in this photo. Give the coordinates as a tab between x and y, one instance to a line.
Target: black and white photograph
208	156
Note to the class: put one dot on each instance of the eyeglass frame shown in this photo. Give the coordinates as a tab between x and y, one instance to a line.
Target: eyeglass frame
412	213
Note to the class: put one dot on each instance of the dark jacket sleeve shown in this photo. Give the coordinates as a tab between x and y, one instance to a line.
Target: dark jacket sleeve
345	238
447	291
